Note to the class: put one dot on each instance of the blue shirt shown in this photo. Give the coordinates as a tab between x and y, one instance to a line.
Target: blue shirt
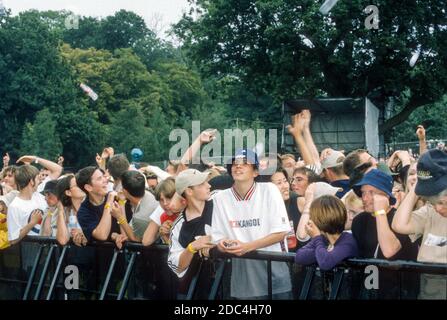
344	184
89	216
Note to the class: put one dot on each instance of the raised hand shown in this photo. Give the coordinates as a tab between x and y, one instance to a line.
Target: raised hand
60	161
297	126
6	159
312	229
207	136
420	132
306	117
26	159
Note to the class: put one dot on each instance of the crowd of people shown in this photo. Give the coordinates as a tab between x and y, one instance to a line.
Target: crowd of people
326	208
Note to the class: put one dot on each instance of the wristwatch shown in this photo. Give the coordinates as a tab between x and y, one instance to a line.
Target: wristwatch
379	213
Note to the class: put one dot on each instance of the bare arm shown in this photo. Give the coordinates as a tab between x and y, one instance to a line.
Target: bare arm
296	130
119	213
402	219
186	256
301	233
420	132
102	230
62	235
151	234
204	138
125	228
35	217
308	139
46	225
388	241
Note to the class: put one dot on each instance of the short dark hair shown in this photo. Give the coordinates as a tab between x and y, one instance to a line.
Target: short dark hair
63	184
117	165
352	160
24	175
134	182
311	176
84	176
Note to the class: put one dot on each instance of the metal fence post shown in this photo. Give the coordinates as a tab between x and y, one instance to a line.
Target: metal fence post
56	272
33	272
43	275
109	275
127	274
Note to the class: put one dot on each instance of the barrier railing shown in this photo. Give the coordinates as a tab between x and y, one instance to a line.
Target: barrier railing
48	247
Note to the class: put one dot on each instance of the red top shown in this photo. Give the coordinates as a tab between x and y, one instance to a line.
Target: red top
165	217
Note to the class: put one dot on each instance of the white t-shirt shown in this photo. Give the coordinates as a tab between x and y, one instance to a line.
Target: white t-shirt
155	216
260	213
41	186
19	214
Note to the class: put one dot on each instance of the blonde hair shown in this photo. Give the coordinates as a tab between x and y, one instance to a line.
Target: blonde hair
353	201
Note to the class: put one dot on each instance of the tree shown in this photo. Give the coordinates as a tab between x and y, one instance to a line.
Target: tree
32	74
128	129
124	30
432	117
41	138
287	48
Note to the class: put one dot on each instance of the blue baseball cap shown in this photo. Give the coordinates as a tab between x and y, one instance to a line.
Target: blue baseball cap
432	173
136	154
249	155
379	180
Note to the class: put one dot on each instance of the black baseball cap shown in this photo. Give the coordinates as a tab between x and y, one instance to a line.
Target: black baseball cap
432	173
50	187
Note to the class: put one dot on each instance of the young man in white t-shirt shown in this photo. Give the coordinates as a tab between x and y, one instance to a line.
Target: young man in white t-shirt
25	211
247	217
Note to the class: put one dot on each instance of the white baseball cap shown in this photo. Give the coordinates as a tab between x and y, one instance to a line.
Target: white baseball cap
189	178
334	159
324	189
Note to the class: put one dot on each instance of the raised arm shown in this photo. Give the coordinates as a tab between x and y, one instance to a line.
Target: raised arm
6	159
204	138
53	167
296	130
420	132
402	219
308	139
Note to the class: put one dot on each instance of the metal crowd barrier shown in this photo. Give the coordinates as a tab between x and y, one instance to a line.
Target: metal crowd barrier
220	260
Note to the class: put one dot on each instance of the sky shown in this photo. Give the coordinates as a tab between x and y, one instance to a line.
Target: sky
158	14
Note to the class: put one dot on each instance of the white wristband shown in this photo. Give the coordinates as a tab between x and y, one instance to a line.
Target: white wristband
36	161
